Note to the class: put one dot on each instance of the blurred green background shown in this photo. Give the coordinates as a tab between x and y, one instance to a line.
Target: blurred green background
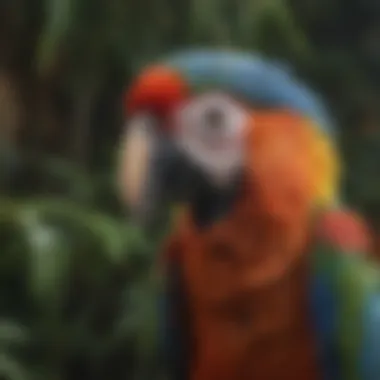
75	289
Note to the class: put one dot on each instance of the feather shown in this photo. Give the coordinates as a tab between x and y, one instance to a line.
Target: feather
352	294
257	80
324	302
370	358
175	327
345	299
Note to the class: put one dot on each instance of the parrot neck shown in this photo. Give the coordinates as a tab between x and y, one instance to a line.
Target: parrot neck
211	204
249	213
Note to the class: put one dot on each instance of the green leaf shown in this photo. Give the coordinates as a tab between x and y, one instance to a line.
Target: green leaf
49	258
58	22
13	334
11	369
109	232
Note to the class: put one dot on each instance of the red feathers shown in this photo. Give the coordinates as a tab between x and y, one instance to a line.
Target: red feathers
158	89
344	230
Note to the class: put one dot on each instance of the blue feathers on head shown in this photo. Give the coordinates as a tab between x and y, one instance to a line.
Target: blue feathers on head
259	81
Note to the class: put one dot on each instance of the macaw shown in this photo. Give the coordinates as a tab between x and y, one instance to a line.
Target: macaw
266	272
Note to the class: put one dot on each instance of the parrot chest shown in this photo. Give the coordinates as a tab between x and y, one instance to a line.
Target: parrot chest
250	308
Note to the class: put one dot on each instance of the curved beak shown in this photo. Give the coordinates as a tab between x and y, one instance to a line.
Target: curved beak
149	167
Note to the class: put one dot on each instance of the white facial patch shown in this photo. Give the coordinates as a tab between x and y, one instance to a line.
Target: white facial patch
210	131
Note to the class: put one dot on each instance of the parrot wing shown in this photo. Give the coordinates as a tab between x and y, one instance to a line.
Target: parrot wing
346	300
175	328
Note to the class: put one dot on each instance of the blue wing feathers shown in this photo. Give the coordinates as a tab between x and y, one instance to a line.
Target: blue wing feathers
370	360
324	312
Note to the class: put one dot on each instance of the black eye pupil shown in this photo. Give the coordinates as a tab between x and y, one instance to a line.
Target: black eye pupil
214	118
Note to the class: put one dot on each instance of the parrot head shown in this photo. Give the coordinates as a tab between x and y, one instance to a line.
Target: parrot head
201	123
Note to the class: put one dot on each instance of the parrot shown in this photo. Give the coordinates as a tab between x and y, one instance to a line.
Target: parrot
266	270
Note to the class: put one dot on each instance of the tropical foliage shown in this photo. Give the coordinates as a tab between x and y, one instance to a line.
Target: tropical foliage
76	294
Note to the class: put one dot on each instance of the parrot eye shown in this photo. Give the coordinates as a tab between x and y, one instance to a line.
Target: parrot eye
215	119
210	130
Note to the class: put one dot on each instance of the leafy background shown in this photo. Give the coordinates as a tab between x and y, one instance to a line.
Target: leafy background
75	289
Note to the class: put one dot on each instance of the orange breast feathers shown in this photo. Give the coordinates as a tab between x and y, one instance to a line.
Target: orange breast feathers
238	270
291	169
293	164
